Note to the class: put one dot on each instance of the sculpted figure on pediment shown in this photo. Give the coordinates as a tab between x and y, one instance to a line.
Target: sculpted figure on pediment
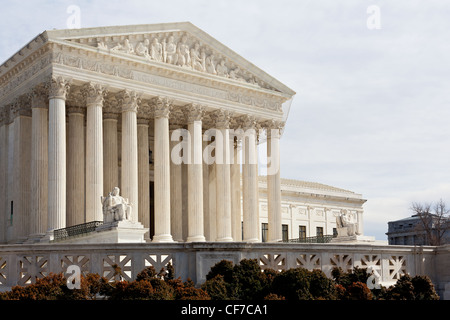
156	50
184	56
222	69
102	45
210	64
126	47
142	49
198	58
170	51
234	74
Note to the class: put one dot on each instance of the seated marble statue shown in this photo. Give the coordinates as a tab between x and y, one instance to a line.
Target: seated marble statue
115	207
346	224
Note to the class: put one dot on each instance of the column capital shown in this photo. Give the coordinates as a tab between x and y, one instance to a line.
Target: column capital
221	118
94	93
162	107
75	110
110	116
194	112
248	122
143	121
58	87
273	125
3	116
128	100
39	96
21	106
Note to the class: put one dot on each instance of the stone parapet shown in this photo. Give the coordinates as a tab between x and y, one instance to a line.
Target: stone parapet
22	264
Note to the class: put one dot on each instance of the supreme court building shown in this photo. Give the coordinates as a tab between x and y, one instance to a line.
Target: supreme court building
85	110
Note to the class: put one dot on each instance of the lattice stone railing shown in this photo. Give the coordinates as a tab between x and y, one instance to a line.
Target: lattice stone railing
23	264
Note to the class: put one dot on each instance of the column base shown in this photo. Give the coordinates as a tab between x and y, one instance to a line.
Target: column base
163	238
48	236
250	240
34	238
227	239
196	239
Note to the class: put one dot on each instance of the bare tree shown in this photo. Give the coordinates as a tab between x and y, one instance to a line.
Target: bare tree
434	221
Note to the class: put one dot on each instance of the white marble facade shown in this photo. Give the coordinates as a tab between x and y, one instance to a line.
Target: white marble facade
83	111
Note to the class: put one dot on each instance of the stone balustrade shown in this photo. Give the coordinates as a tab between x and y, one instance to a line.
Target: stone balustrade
22	264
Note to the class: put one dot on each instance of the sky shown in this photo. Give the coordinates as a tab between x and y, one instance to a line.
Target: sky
372	78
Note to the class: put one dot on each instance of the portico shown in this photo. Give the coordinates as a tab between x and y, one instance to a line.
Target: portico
84	111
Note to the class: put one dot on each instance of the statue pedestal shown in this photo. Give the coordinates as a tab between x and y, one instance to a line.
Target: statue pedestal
121	232
353	239
112	232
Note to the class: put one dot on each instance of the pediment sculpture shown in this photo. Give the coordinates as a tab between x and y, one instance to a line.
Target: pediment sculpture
184	51
115	207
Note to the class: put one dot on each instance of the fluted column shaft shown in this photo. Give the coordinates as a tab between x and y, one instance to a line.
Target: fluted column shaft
195	175
143	173
162	172
250	184
235	177
223	183
176	192
39	165
94	152
57	155
129	169
22	173
76	168
3	179
110	152
274	185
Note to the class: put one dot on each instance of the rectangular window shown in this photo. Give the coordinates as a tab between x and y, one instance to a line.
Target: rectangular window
302	232
335	232
264	230
285	232
319	231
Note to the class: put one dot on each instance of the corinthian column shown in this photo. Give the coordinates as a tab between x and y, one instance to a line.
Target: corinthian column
39	162
76	167
273	181
176	190
110	152
57	154
3	175
223	183
195	174
162	171
143	173
94	94
250	181
129	169
235	177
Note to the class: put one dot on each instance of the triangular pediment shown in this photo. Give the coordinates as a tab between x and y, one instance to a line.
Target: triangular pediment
181	45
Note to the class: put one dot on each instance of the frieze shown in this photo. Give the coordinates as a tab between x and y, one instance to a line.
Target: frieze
259	100
128	73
